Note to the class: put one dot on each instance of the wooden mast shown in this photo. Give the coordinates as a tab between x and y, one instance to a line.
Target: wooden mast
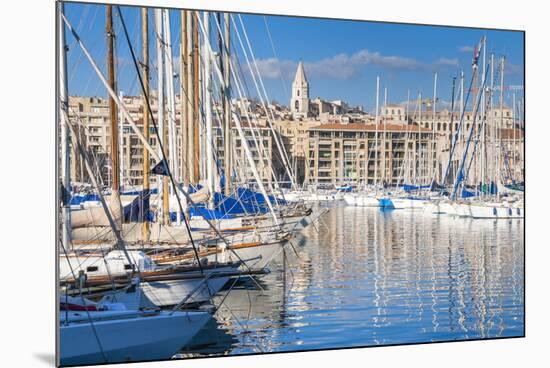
115	182
146	233
183	100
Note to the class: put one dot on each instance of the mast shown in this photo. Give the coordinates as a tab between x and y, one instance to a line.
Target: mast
196	109
501	122
227	104
170	95
493	127
65	134
384	172
183	99
190	97
145	231
451	127
115	183
433	163
376	133
483	115
513	150
207	103
462	107
163	183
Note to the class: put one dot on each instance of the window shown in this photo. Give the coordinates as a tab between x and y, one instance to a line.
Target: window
297	105
91	269
298	93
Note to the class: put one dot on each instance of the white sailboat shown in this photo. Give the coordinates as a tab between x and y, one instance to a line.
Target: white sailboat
96	335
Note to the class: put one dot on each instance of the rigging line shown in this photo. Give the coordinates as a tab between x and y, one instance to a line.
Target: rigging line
146	95
276	56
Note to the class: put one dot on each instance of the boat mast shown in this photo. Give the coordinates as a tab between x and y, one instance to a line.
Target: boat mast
451	130
227	104
207	103
461	137
183	100
433	155
190	97
170	96
513	150
501	122
115	183
482	134
492	114
65	134
196	107
146	233
385	166
376	133
161	179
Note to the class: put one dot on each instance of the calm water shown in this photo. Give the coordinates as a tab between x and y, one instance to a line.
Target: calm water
367	277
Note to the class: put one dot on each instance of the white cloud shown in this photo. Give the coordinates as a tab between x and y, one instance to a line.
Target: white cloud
466	49
344	66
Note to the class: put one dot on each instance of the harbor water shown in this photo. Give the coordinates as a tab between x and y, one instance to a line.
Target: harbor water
366	277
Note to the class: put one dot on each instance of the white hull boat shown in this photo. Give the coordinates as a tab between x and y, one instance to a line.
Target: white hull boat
96	337
409	203
495	210
361	200
255	257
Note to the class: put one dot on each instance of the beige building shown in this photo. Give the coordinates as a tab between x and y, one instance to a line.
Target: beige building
355	153
91	115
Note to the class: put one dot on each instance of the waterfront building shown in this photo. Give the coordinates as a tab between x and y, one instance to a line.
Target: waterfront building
355	153
91	117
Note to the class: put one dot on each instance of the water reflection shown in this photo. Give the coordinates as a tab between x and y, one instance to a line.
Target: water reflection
367	277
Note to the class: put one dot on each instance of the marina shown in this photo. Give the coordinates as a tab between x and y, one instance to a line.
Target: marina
198	218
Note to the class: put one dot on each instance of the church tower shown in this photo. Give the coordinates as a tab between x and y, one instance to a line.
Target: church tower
299	103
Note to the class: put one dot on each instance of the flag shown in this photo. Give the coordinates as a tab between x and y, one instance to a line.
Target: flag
161	168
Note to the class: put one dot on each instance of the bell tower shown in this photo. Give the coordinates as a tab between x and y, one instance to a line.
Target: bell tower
299	103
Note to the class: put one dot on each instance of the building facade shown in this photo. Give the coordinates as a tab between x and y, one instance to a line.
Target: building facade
340	154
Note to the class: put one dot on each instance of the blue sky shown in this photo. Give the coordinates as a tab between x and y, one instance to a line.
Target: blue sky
342	58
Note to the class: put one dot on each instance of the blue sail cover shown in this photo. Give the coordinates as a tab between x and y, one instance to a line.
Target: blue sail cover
232	206
410	188
344	189
467	194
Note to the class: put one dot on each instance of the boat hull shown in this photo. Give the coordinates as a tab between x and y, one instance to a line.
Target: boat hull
127	339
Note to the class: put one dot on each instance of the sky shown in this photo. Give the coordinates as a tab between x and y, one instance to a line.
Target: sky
342	58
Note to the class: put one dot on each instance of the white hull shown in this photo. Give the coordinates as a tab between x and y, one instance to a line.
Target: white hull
125	336
361	200
495	210
172	292
408	203
462	209
254	257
